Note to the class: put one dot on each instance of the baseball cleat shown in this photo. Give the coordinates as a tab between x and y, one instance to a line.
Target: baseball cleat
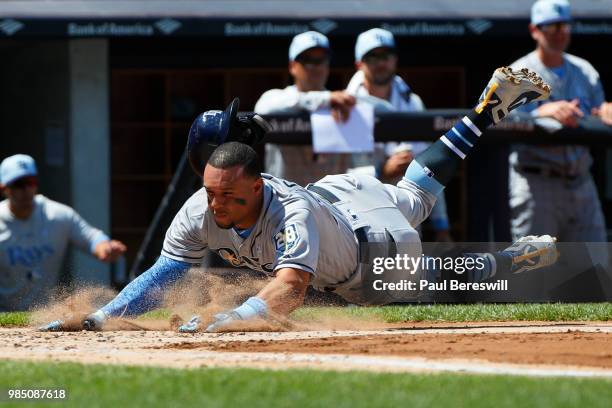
192	326
532	252
508	89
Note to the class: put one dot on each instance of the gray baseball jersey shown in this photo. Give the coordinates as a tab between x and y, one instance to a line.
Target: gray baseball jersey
576	78
293	231
569	210
32	250
298	229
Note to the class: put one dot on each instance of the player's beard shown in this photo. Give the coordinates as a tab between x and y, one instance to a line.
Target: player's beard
383	79
224	226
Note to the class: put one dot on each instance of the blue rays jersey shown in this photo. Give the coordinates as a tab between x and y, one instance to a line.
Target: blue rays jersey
32	250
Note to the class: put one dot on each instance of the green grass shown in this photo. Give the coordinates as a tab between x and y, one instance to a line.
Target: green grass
14	319
101	386
420	313
467	313
21	319
156	314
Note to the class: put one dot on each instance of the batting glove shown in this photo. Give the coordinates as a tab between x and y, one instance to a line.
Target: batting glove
253	308
192	326
222	320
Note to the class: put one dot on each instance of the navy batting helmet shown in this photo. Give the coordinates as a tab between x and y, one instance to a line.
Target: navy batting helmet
213	128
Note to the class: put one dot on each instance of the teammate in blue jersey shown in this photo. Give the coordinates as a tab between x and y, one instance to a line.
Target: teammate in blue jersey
328	235
35	234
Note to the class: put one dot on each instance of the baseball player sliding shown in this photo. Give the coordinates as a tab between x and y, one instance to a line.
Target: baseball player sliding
329	234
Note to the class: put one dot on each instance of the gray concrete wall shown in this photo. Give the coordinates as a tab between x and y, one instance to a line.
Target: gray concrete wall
89	144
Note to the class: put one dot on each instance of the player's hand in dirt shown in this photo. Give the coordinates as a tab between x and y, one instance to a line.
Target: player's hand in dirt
109	251
222	320
192	326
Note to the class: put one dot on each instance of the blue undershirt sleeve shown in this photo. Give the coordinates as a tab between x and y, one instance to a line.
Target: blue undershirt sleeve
146	292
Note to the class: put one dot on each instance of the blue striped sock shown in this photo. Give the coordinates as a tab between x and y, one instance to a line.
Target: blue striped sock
462	137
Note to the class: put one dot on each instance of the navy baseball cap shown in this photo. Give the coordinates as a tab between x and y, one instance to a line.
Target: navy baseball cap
374	38
305	41
15	167
550	11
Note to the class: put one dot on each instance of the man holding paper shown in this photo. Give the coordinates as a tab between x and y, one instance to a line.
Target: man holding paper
309	55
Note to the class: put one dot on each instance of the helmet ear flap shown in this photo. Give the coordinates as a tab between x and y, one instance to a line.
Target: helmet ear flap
231	112
249	129
213	128
260	127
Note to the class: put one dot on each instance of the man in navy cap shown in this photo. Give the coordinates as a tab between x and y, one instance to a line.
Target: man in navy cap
34	235
309	55
551	188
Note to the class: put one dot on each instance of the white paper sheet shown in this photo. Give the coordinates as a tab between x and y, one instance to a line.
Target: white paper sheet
353	136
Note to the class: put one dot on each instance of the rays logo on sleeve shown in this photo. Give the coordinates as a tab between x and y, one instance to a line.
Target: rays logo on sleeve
286	240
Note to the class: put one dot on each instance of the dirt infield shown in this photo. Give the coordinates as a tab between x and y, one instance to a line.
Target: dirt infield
574	348
535	348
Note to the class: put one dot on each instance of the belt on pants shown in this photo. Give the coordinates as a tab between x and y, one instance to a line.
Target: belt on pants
548	172
360	233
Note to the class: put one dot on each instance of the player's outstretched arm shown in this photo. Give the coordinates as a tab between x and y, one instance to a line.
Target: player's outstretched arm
286	291
277	299
146	292
141	295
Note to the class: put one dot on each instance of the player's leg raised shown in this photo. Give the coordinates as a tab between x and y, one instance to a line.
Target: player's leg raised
506	91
